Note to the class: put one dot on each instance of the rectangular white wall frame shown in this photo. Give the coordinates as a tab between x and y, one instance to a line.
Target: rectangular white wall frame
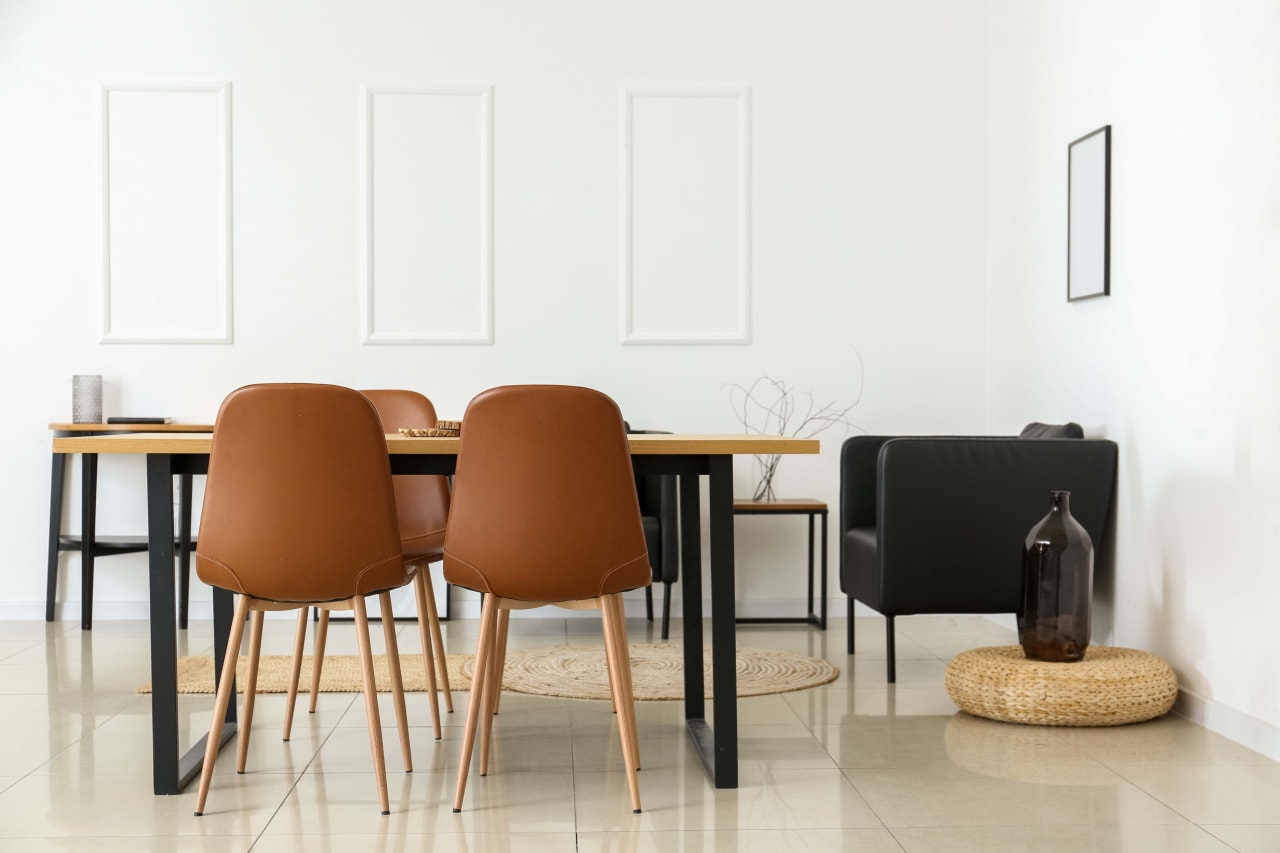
686	215
166	213
427	214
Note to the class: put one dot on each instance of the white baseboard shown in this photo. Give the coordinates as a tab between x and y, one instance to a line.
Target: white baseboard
1244	729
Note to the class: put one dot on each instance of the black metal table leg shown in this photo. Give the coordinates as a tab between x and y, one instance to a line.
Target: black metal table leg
88	534
56	484
724	651
170	773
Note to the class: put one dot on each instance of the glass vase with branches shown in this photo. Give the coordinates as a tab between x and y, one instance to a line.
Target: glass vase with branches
770	406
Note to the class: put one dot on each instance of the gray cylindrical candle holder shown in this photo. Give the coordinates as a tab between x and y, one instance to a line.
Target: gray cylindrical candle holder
86	399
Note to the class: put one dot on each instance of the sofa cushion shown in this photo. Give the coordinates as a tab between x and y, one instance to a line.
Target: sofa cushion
1039	430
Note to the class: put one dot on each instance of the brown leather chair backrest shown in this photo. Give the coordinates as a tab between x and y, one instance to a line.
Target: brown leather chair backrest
544	499
299	504
422	502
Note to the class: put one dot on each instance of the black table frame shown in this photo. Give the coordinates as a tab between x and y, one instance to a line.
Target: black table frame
90	545
716	743
818	619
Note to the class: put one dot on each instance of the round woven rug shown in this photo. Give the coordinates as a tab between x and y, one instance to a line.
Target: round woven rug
657	671
577	672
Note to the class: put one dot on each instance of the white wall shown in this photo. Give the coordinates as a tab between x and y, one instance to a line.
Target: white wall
1180	364
866	214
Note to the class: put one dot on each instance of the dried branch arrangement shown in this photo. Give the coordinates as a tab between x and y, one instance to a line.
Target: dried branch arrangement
770	406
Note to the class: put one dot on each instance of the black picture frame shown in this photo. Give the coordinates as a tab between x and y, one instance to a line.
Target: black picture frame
1089	216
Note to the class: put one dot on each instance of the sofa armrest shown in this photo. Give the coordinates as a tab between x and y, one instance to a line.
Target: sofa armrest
858	459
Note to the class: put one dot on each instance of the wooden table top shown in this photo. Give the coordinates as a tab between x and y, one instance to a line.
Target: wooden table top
56	427
641	445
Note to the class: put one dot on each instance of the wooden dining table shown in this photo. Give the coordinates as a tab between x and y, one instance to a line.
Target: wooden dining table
690	457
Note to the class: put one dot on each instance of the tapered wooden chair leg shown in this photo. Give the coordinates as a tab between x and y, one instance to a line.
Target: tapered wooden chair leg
371	701
488	618
223	699
428	658
620	681
317	664
492	689
295	670
250	688
624	650
504	620
397	680
437	639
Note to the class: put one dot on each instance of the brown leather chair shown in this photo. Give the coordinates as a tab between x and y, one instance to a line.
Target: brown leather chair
422	508
545	512
299	511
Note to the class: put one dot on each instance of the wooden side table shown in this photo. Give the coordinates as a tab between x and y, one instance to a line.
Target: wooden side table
88	543
794	506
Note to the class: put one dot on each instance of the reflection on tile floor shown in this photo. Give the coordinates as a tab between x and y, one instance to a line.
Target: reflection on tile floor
853	765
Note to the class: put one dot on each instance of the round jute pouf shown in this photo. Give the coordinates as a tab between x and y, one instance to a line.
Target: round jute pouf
1110	687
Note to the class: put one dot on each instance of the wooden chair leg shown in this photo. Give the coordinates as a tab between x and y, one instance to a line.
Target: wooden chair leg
371	701
624	652
428	658
488	619
492	689
250	688
504	620
615	634
222	700
437	639
317	664
295	671
397	681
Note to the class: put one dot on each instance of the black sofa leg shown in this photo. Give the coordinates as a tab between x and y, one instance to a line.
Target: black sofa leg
888	624
648	602
849	612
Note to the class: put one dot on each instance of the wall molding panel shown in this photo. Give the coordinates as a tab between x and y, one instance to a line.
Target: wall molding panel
686	215
166	213
427	214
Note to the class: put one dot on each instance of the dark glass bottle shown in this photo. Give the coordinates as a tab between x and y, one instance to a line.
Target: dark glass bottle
1057	586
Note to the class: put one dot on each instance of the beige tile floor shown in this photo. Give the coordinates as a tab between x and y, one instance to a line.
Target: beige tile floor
854	765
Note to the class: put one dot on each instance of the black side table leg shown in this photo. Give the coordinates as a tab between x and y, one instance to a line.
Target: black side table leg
823	603
88	534
811	528
56	483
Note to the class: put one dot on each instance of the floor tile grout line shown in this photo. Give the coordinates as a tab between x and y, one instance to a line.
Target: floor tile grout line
298	779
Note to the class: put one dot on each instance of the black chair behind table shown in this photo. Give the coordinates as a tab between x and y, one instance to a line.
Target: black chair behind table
658	512
936	524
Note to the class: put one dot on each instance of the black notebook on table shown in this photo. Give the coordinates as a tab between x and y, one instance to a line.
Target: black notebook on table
133	420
